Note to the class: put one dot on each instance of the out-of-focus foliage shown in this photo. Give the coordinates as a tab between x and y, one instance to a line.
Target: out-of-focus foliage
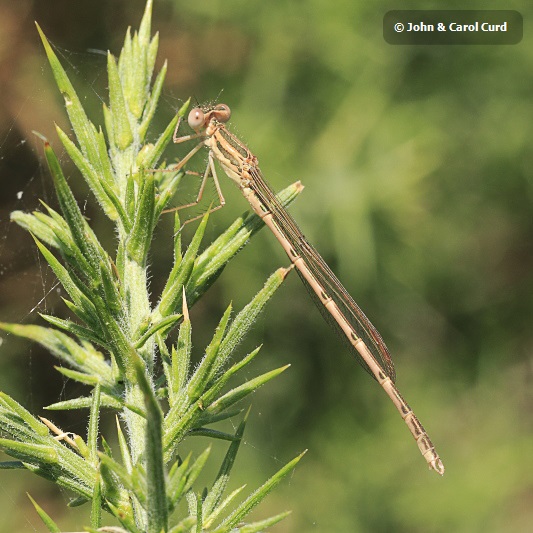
417	166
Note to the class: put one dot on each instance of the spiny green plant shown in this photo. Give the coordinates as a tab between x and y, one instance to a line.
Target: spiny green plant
117	344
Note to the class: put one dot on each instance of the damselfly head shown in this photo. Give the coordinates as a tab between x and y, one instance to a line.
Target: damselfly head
198	119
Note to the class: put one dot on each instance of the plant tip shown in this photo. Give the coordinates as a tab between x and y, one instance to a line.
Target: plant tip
41	136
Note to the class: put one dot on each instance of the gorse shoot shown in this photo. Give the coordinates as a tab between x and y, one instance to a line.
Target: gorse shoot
118	344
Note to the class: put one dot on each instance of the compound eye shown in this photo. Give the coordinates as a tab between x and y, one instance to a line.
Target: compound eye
222	112
196	118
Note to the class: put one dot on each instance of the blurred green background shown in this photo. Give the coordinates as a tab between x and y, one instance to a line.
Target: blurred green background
417	166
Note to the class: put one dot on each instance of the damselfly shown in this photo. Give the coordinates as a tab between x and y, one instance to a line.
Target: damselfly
332	299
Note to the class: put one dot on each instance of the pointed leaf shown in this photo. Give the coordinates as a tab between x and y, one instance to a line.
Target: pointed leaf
222	506
257	527
80	377
123	136
196	468
211	433
149	158
205	370
69	283
177	479
255	498
151	106
247	317
219	384
146	25
83	128
11	405
70	327
30	453
124	449
96	504
83	235
48	522
181	355
84	358
238	393
89	173
35	225
172	293
85	403
111	292
94	418
141	233
119	471
125	517
164	323
215	495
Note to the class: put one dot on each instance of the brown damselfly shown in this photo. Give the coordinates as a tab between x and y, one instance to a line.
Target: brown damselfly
332	299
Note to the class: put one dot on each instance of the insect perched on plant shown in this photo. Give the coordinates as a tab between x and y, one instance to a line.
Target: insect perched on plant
332	299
